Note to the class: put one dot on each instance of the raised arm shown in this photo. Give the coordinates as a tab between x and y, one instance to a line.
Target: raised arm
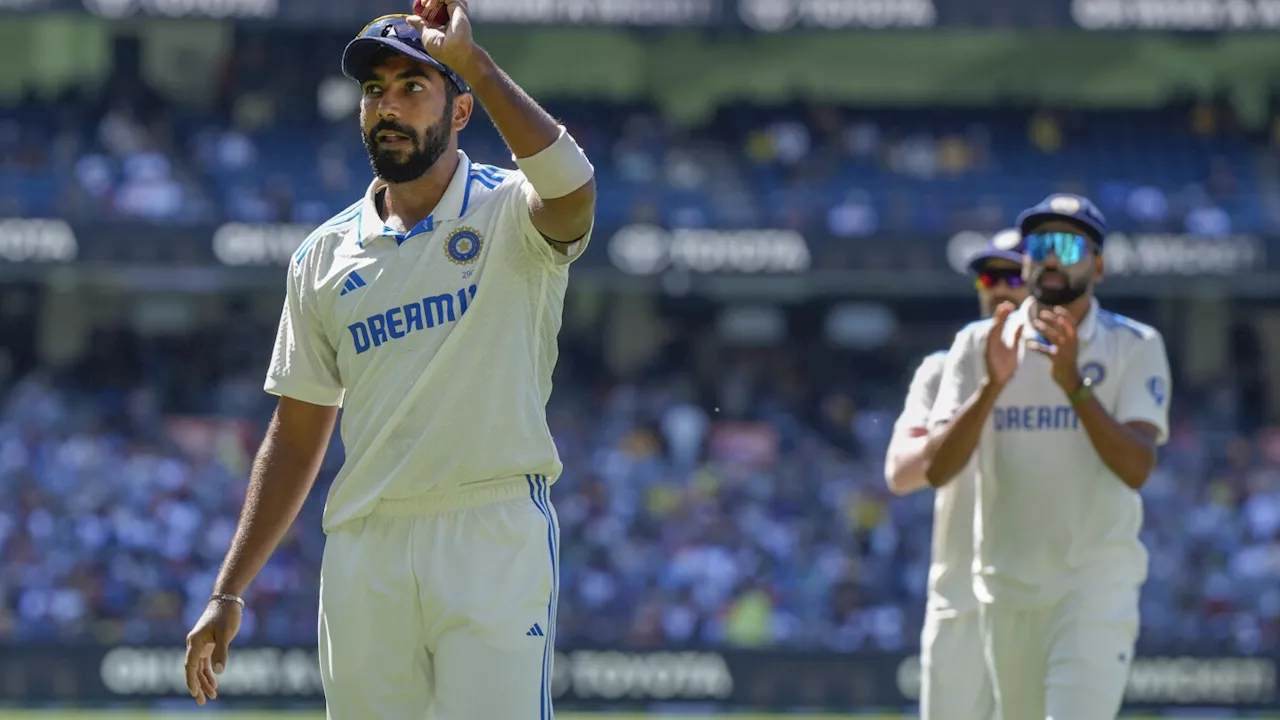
562	205
1126	441
972	379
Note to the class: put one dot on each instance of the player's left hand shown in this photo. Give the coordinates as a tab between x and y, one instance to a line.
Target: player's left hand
452	44
207	643
1063	347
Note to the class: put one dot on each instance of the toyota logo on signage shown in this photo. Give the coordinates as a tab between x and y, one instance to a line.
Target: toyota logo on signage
245	244
649	250
116	9
37	241
779	15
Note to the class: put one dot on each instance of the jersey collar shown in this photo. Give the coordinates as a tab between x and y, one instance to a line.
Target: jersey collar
452	205
1085	331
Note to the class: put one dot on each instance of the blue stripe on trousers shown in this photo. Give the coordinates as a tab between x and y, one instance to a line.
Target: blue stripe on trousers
540	494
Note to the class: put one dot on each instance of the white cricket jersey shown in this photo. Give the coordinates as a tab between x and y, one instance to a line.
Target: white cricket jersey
439	344
1051	515
951	566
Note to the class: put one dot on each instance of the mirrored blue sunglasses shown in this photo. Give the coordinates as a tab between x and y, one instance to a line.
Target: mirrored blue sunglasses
1070	248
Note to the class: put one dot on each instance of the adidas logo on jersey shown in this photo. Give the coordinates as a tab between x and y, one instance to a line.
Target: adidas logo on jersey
535	631
353	281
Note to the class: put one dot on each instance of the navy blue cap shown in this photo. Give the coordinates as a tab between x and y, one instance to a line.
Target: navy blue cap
393	32
1065	206
1004	245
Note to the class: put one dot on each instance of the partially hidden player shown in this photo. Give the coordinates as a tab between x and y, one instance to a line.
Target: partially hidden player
1064	405
954	674
428	310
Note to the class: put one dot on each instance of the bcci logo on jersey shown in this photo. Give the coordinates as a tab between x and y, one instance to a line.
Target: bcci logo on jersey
1094	373
463	245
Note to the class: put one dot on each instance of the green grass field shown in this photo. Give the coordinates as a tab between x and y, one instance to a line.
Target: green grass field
193	715
196	714
105	715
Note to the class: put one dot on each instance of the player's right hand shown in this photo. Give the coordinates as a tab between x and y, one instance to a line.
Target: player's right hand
1002	359
451	43
207	648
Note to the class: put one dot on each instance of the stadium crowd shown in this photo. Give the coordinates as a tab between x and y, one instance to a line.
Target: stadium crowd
739	502
736	501
272	151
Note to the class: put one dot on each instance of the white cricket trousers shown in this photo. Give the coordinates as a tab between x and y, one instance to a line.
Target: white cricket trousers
1066	661
443	612
954	681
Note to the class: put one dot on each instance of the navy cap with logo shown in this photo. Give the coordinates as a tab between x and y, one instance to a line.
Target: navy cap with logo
1004	245
391	32
1065	206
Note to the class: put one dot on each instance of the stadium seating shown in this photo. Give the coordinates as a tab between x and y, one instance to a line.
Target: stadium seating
117	509
908	171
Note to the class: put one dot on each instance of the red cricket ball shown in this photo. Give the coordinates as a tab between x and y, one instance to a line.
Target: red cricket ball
438	17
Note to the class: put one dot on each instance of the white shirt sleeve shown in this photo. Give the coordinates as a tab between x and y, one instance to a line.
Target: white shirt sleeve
1145	388
921	395
304	364
959	377
519	204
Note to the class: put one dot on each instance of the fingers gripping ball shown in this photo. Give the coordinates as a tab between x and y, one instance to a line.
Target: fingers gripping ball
437	16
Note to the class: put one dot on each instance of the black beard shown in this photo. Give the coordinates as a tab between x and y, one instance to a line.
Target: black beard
421	158
1058	297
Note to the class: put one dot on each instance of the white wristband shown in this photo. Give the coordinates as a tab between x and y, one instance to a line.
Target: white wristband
559	169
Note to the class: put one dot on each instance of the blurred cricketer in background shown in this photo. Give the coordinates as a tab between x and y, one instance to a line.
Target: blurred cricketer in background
955	684
429	311
1064	405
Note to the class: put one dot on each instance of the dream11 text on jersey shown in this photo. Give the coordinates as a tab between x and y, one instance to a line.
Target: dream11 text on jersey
399	321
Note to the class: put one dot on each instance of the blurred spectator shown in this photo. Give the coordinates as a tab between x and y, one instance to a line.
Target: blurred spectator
677	525
855	216
1205	218
862	140
147	190
790	142
916	156
1045	132
929	172
1148	206
955	157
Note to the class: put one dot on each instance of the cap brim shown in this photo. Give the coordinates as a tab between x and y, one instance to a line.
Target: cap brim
359	54
1026	222
978	260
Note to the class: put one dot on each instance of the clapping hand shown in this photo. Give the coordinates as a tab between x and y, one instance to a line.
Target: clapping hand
1002	359
1063	347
